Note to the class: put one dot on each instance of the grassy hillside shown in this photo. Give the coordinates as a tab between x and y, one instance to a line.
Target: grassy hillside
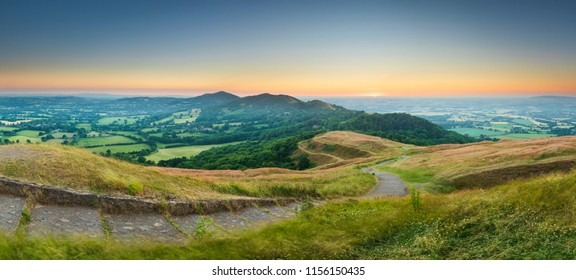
345	147
74	168
78	169
528	219
485	164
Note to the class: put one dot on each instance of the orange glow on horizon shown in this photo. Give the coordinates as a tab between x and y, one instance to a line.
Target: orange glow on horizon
330	84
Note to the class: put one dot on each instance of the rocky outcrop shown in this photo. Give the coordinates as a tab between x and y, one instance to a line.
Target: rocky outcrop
118	204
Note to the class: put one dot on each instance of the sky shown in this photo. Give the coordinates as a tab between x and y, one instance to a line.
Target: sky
301	48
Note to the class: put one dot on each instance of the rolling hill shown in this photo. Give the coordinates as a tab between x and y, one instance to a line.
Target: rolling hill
486	164
340	148
77	169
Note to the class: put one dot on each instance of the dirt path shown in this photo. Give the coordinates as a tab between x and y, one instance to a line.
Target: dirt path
388	183
301	147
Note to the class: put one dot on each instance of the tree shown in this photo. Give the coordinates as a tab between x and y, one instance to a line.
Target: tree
303	162
141	159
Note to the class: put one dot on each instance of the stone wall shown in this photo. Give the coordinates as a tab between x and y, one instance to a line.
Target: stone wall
118	204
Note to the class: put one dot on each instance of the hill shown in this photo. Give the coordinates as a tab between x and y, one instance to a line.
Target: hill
274	124
339	148
77	169
214	99
487	163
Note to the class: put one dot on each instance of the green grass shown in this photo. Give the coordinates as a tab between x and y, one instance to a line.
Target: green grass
55	141
61	134
22	139
186	151
500	126
86	126
118	120
521	220
181	117
162	145
29	133
7	128
120	148
100	141
127	133
75	168
184	120
524	136
475	132
414	175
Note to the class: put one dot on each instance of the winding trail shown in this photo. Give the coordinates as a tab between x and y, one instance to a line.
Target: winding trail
388	183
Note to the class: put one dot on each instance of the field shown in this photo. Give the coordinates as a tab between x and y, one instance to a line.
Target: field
56	141
186	151
101	141
127	133
14	123
119	120
86	126
23	139
476	132
120	148
7	128
181	117
523	136
59	135
28	133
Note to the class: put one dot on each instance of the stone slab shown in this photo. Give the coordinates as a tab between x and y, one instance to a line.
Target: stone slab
142	227
10	211
62	220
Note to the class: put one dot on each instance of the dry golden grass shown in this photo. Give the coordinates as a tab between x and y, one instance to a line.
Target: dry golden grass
78	169
338	181
344	148
448	162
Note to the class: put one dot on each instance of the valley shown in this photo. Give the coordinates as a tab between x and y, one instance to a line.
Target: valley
209	131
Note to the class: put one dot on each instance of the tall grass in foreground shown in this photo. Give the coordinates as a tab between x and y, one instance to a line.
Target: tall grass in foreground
531	219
